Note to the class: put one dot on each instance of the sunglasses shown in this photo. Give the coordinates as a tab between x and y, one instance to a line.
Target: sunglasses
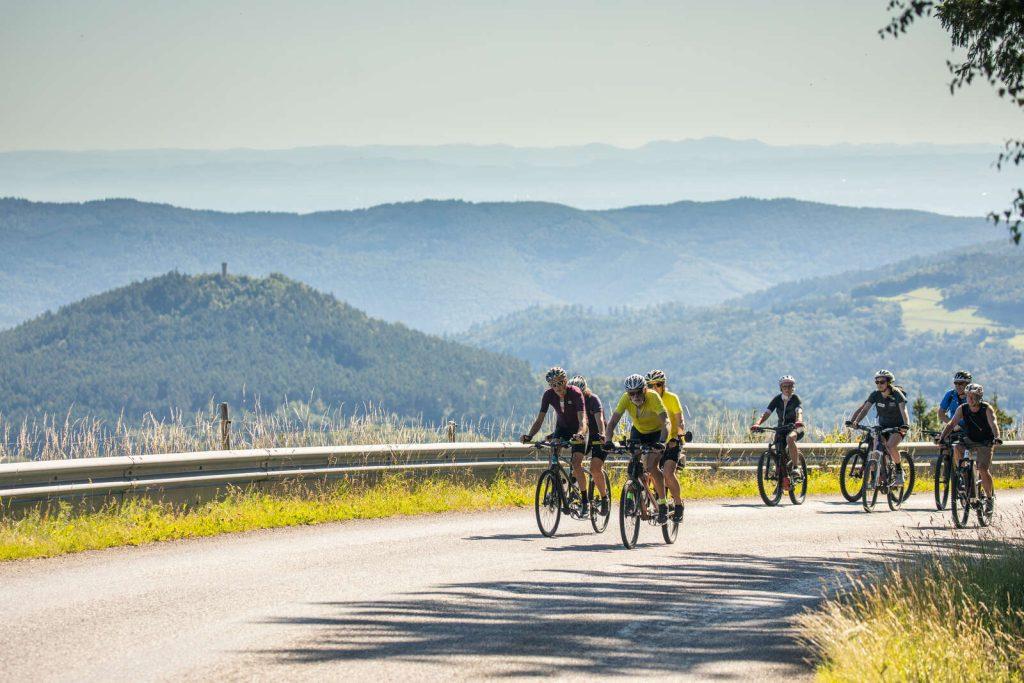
960	383
555	385
881	382
638	392
787	386
655	384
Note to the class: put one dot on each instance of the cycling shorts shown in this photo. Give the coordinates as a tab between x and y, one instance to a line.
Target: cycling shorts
675	454
982	451
650	437
560	433
596	449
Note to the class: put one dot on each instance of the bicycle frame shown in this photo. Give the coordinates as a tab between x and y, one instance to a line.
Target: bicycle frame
555	465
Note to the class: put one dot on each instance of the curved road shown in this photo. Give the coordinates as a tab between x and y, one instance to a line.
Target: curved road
450	596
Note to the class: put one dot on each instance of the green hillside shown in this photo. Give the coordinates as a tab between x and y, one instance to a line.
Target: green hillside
441	266
833	345
178	341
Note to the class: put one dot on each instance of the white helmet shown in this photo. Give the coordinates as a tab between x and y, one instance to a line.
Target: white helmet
579	381
634	382
787	378
885	374
975	389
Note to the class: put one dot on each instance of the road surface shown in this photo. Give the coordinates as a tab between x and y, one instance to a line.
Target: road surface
450	596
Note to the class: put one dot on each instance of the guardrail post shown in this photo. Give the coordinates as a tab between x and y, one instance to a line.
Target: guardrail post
225	428
451	430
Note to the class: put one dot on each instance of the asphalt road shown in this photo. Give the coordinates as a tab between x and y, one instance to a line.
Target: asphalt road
450	596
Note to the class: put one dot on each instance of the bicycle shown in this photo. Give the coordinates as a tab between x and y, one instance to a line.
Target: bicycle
774	466
637	503
880	470
967	491
851	471
558	493
942	471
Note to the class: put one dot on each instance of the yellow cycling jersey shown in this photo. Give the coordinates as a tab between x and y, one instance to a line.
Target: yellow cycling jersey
645	418
672	407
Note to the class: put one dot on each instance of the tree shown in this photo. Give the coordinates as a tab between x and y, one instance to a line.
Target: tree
1003	418
992	33
924	416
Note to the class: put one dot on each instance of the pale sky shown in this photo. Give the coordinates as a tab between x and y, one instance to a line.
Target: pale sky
110	74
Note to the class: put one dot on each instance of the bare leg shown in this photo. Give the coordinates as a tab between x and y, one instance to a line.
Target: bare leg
892	444
794	452
655	472
983	470
577	471
597	474
671	481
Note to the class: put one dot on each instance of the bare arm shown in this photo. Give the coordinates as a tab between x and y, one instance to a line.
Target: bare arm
860	412
799	415
957	416
676	424
600	425
535	426
609	430
903	412
764	416
584	424
992	422
664	426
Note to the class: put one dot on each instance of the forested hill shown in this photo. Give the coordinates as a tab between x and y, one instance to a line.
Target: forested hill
922	319
441	266
178	341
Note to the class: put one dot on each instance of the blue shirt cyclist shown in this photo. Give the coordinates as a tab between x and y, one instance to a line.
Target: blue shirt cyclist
955	397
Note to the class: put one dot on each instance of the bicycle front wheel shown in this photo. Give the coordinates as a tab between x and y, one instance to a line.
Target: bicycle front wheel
597	520
895	495
851	475
798	491
960	500
870	485
941	479
630	503
910	472
769	479
670	529
547	504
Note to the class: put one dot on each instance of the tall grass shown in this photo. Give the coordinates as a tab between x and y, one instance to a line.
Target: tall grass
954	612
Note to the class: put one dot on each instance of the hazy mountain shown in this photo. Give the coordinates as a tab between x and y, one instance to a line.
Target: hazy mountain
442	266
178	341
953	179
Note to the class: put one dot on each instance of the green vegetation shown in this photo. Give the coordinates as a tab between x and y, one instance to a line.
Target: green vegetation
954	612
176	342
46	533
443	265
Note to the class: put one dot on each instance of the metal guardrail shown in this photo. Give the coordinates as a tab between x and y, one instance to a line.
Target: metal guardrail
30	482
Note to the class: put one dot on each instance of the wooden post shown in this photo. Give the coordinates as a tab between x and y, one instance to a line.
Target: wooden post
224	269
225	428
451	430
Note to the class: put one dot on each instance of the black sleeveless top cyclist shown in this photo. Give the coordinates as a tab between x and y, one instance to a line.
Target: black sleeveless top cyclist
976	426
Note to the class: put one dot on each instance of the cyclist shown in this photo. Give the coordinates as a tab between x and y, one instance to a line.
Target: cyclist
650	426
595	432
981	433
890	404
571	423
955	397
672	459
788	408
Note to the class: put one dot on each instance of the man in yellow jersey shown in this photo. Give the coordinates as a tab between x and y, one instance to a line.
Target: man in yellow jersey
650	425
672	459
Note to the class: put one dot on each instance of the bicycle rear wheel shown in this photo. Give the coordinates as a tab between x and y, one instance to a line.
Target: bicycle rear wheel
851	475
910	472
984	516
769	479
597	520
547	504
670	529
895	495
960	500
798	492
941	478
870	485
629	513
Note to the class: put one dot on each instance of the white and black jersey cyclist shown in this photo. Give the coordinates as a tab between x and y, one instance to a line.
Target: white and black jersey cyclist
890	404
977	421
595	441
789	412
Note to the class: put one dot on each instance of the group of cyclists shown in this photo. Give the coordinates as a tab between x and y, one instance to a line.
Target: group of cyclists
657	420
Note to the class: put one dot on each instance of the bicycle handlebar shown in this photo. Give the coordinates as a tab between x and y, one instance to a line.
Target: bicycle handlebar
777	430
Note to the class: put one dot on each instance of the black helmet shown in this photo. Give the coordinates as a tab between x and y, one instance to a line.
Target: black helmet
962	376
655	376
579	381
555	374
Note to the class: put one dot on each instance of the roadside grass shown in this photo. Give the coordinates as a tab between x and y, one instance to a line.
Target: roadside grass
954	612
47	532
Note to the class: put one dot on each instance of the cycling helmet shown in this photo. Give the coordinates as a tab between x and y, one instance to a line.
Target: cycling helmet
655	376
579	381
555	374
885	374
634	382
976	389
962	376
787	378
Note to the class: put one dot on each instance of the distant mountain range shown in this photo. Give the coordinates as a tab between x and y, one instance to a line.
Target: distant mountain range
177	342
443	266
951	179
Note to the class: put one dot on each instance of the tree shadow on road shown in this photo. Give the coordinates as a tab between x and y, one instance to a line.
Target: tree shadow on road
649	616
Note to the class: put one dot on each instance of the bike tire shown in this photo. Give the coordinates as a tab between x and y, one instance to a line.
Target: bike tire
960	500
768	475
597	521
630	503
851	475
984	518
870	487
895	496
798	497
911	475
941	477
547	504
670	529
